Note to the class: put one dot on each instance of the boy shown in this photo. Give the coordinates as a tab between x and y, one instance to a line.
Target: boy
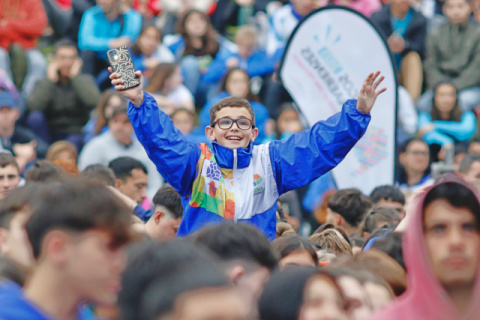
79	255
233	179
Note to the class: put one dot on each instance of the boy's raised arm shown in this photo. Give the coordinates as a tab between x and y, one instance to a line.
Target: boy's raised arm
174	155
307	155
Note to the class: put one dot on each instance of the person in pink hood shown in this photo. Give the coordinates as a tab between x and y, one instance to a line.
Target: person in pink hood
441	251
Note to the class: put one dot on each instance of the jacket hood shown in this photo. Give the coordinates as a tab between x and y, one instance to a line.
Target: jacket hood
425	297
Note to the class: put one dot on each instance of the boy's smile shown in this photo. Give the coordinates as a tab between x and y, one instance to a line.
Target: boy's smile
234	137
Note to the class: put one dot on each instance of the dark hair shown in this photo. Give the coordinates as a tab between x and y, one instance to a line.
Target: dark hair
16	201
160	74
330	241
210	45
101	106
147	25
379	214
157	274
457	195
7	159
286	245
455	113
357	241
223	84
169	198
238	241
64	43
351	204
78	206
99	173
122	167
45	171
182	109
467	162
327	226
231	102
118	110
392	245
387	192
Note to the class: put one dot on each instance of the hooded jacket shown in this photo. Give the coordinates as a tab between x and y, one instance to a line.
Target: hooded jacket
425	298
243	184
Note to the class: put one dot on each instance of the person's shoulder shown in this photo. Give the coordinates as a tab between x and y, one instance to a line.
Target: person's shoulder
133	14
93	11
13	305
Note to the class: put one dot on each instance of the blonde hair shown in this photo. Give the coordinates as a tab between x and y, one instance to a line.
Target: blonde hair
60	146
246	31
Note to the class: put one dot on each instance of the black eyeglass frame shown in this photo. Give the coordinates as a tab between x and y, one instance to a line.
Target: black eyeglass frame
252	126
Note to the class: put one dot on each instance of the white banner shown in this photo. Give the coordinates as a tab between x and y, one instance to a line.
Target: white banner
327	58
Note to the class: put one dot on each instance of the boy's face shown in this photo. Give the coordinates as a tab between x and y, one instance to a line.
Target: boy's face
457	11
246	46
9	180
91	265
234	137
453	243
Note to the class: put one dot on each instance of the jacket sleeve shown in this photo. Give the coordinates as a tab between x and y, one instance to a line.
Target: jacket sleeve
470	76
307	155
462	130
32	25
174	155
86	90
132	25
260	64
42	96
218	68
432	70
86	35
437	137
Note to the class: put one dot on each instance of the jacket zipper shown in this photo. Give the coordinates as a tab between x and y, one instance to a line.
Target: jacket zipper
235	178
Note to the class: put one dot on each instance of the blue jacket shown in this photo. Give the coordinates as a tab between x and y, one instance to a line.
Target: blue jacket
217	183
448	132
260	111
258	64
96	31
14	305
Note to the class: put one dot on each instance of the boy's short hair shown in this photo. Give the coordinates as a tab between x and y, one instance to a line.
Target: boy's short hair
234	102
122	167
7	159
170	199
77	205
380	214
64	43
99	173
118	110
45	171
237	241
351	204
182	109
457	195
387	192
157	275
246	31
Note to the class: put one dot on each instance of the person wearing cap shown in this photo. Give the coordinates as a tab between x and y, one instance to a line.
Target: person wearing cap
20	141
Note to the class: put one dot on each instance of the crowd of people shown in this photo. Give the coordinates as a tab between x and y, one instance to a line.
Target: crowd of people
199	194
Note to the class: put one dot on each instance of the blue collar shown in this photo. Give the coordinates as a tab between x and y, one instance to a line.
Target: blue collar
225	156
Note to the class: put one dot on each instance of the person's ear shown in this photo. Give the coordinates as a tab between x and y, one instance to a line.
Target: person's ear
54	245
235	273
210	132
3	239
339	221
158	215
254	134
118	183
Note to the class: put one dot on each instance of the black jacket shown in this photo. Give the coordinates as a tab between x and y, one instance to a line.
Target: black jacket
415	35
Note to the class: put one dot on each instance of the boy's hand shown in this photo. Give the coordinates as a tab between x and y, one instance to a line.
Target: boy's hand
368	94
134	94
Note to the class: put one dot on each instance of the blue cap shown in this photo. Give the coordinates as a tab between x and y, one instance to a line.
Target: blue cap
7	100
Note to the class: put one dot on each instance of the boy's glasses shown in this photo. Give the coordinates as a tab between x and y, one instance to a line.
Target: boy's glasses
227	123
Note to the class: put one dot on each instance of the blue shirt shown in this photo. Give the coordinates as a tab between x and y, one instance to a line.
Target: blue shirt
15	306
399	27
96	30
